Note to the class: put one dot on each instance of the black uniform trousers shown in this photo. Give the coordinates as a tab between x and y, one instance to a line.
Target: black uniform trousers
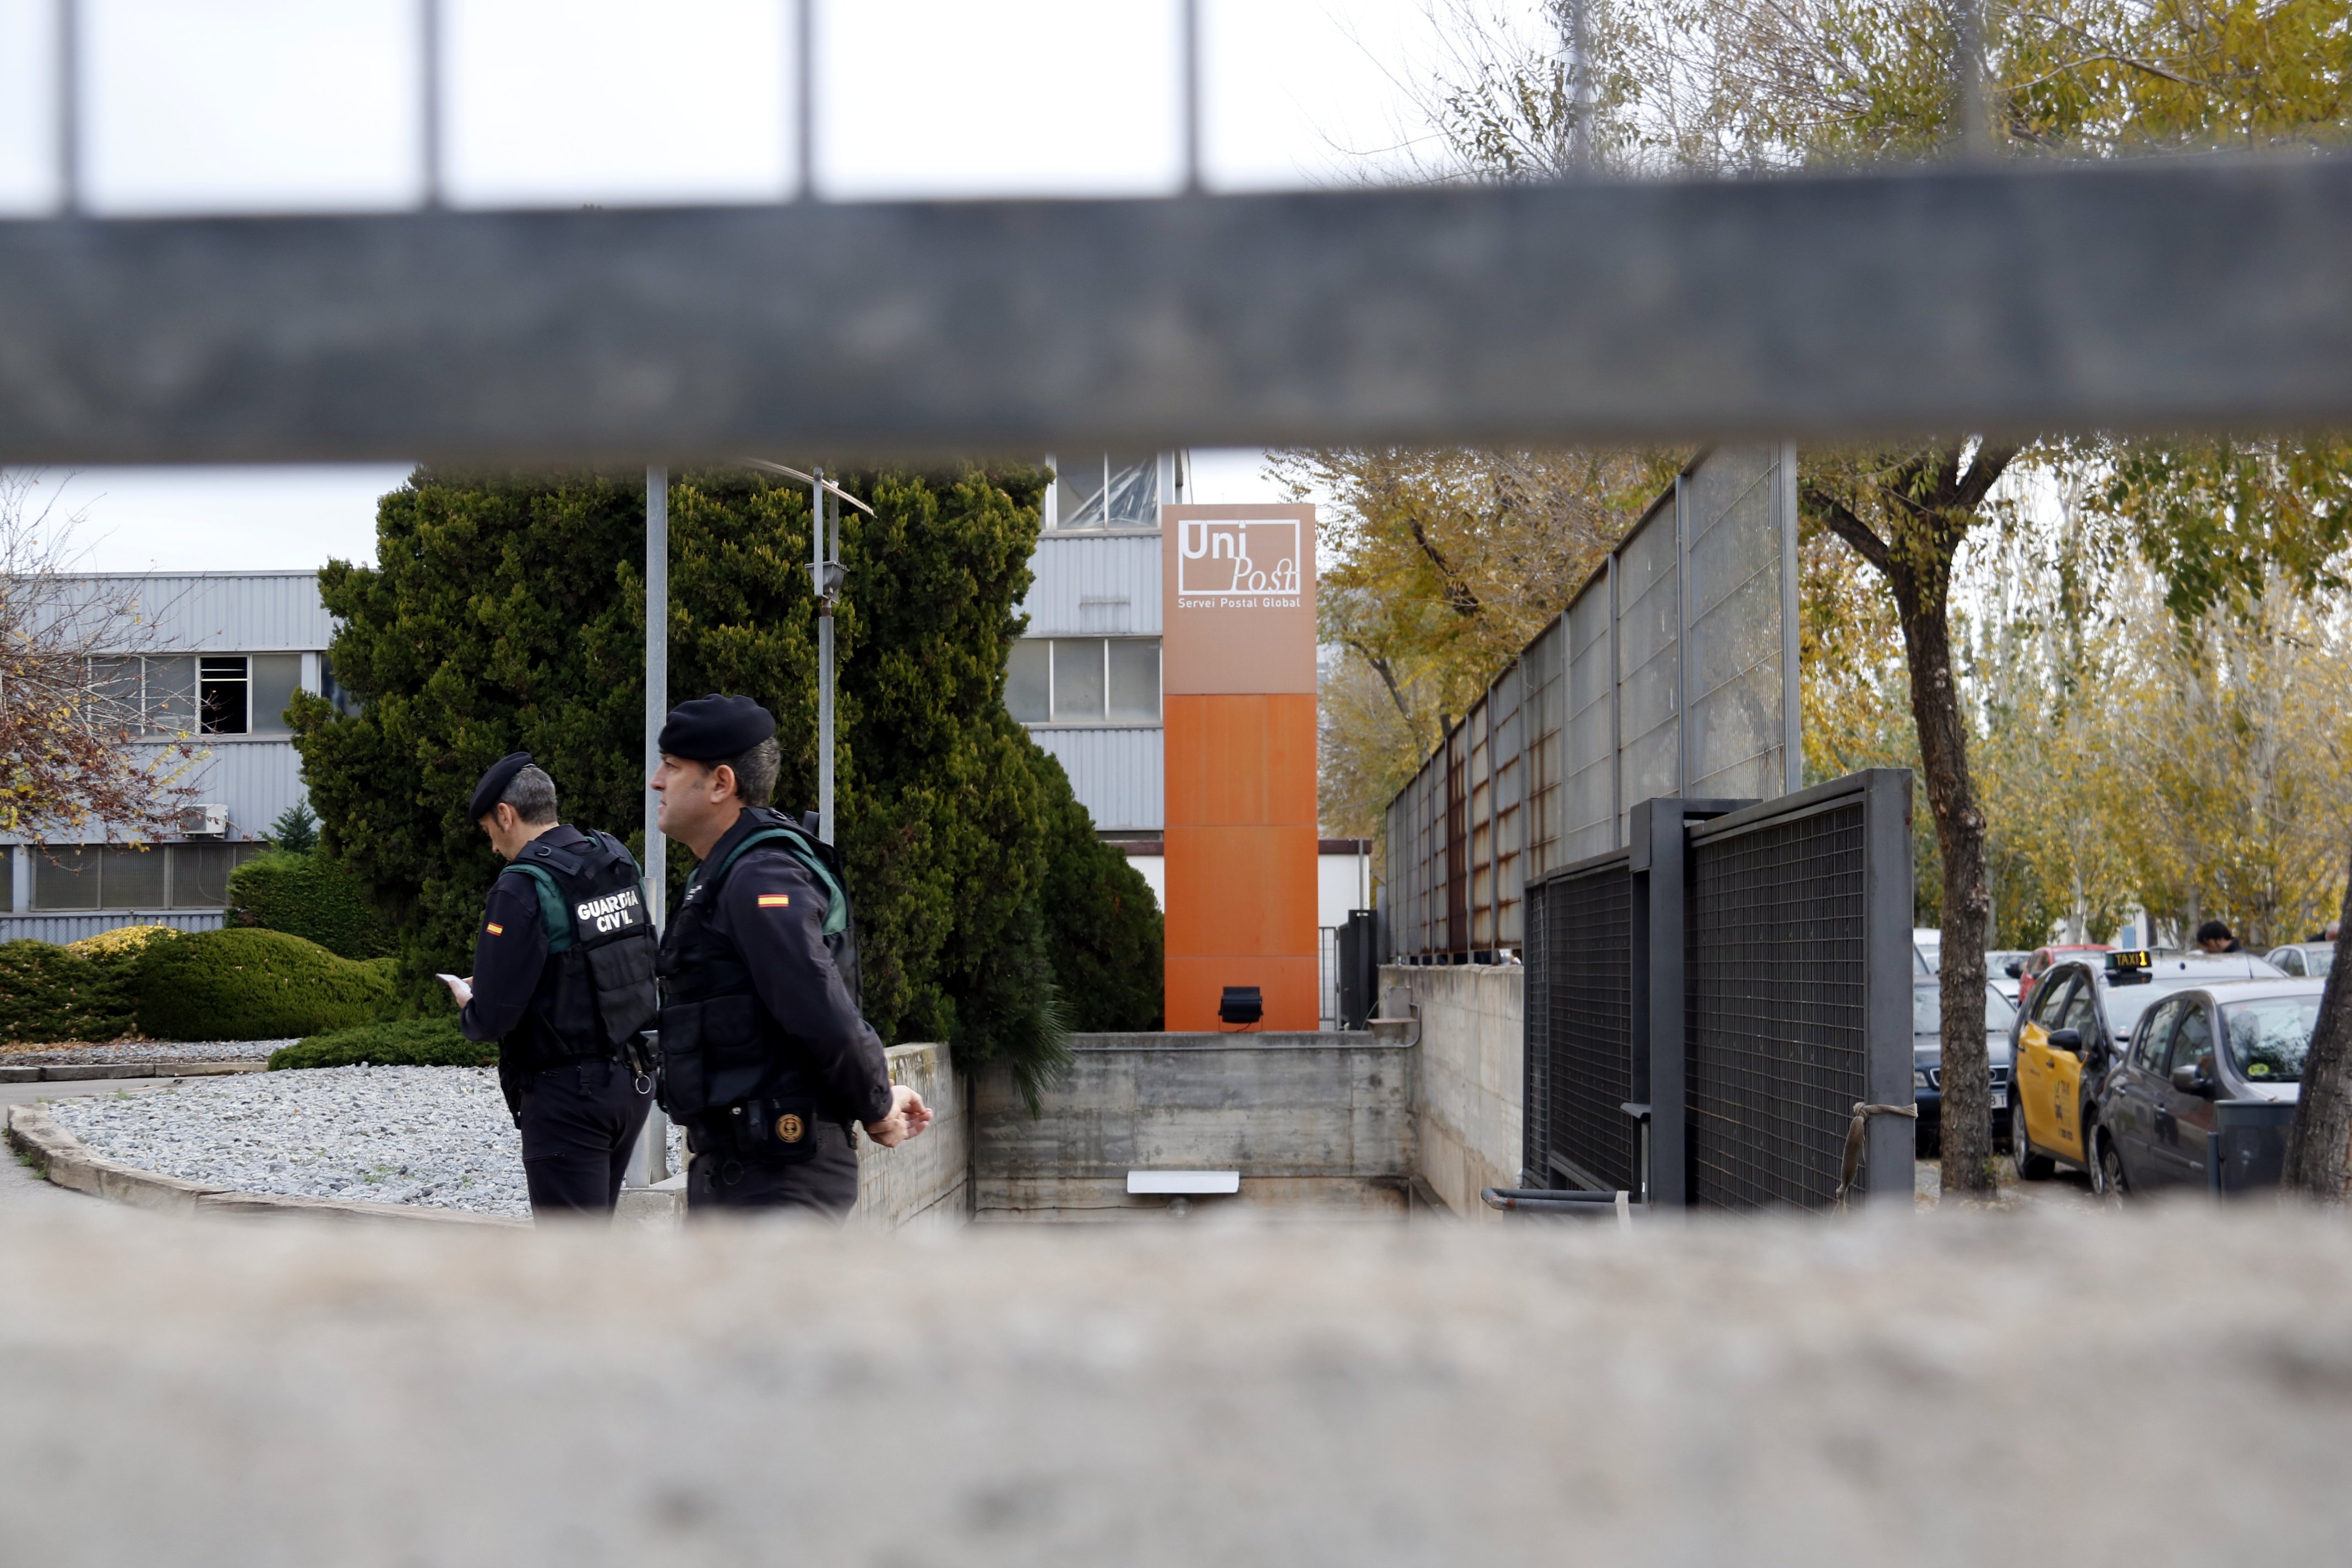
826	1183
580	1123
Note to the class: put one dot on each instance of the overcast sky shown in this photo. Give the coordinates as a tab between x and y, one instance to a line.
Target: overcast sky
294	105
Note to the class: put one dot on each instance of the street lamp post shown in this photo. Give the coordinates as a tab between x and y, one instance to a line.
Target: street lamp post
826	575
650	1163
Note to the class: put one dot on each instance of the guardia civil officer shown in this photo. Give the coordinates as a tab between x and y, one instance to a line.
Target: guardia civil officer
563	980
765	1058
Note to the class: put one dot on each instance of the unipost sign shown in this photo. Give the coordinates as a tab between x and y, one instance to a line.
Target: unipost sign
1237	677
1239	614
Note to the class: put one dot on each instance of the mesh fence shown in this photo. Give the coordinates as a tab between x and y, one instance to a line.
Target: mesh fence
1580	1061
1775	1020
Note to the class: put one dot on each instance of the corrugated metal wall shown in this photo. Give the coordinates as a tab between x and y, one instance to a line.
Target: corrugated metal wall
64	928
1119	775
1095	585
245	612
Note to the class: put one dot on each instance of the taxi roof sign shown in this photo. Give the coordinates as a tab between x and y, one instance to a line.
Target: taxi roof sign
2130	966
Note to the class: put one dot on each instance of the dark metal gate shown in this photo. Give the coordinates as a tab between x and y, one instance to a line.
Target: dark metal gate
1741	977
1579	997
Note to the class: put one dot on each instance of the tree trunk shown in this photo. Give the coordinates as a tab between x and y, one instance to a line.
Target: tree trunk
2319	1144
1930	503
1922	598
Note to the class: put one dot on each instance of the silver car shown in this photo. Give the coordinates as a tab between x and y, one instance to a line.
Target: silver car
2232	1041
2304	958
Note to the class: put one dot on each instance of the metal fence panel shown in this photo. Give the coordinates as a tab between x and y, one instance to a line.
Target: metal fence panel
1649	617
1732	653
1589	825
1543	676
1668	676
1784	972
1580	1040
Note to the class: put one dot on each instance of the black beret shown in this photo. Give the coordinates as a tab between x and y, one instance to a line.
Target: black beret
714	728
493	783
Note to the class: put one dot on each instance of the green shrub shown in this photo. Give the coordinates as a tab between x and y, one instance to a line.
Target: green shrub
48	994
247	984
410	1043
83	991
307	896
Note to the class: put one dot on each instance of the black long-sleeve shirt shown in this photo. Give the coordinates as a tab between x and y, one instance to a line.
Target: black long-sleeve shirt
772	911
510	950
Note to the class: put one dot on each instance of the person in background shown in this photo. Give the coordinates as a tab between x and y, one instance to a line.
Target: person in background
2214	936
563	980
767	1060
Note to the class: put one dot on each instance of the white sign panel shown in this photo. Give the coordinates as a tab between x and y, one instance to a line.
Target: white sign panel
1239	562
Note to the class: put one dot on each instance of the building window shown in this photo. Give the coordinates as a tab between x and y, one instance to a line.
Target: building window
1110	489
120	876
169	695
1084	680
223	694
179	694
276	678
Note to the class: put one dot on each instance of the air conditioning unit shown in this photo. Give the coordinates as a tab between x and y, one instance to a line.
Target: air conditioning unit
205	822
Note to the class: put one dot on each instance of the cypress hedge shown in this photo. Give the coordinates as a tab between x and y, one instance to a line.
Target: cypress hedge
247	984
507	613
308	896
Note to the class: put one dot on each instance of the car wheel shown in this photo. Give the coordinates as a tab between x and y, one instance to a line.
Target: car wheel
2111	1183
2031	1166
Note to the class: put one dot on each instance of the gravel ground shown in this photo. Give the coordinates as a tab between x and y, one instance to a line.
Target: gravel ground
437	1136
140	1051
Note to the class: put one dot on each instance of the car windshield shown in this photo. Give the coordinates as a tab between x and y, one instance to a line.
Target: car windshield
2267	1038
1928	1011
2318	959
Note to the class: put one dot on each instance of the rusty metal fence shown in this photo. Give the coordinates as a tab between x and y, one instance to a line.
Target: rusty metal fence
1672	672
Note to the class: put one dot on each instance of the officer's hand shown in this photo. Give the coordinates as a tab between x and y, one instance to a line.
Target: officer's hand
909	1116
918	1115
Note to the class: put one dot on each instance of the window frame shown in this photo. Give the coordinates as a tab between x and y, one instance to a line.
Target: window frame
212	679
1053	720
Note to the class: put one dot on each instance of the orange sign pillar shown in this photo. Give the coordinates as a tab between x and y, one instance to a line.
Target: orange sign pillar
1237	677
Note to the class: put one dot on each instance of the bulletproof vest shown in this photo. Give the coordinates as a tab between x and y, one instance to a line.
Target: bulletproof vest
719	1046
601	953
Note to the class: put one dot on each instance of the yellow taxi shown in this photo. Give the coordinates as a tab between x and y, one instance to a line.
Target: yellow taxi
2072	1032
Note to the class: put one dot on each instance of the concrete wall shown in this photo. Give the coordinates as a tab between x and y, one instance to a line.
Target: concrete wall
1316	1123
925	1181
1467	1103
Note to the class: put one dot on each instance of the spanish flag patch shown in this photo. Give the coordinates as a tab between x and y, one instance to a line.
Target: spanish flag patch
775	900
496	930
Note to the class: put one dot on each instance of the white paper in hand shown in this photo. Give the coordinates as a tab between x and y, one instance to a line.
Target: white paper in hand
458	988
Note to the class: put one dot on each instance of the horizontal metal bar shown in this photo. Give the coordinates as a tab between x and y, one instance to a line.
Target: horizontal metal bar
2152	294
1829	795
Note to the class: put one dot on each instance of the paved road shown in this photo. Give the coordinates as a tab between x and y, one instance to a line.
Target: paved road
21	1191
2067	1189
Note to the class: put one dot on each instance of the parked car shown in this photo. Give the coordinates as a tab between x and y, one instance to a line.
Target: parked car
2304	958
2002	967
1928	1058
1927	942
2040	962
2072	1033
2237	1040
